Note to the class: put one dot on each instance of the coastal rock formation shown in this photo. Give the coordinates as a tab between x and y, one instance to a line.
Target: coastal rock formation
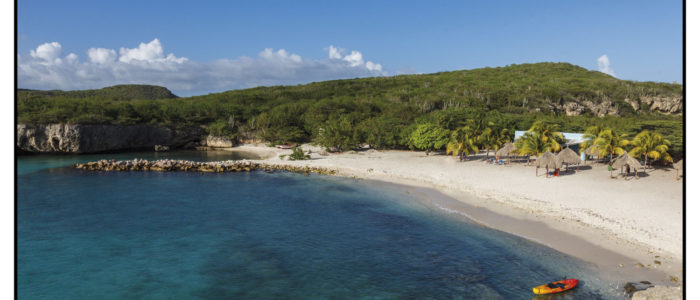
659	293
168	165
670	105
161	148
75	138
219	142
632	287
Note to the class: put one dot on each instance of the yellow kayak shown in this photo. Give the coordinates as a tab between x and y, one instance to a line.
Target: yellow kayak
555	287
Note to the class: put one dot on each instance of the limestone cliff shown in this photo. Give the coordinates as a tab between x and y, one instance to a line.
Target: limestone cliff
219	141
665	105
75	138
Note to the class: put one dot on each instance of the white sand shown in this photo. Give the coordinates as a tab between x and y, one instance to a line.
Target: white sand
639	220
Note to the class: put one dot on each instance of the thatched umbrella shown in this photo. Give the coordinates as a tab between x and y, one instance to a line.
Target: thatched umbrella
568	156
626	160
546	161
678	166
506	150
592	151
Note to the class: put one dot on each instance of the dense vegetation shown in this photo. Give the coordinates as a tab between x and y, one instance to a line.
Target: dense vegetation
383	112
117	92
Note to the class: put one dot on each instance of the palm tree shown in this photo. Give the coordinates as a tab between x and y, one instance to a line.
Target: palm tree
650	144
461	141
489	139
589	136
549	134
505	136
609	142
541	137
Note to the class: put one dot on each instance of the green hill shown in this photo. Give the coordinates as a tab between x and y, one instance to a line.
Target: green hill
117	92
386	108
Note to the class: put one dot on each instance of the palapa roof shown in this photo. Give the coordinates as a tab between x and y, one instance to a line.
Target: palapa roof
506	150
547	160
568	156
625	159
592	150
678	165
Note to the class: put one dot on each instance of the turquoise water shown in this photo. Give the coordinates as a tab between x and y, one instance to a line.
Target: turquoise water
149	235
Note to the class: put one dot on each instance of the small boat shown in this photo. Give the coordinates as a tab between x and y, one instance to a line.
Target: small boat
287	146
555	287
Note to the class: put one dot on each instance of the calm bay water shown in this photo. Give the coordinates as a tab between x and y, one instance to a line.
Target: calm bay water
149	235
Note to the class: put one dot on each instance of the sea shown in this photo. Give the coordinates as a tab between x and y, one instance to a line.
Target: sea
257	235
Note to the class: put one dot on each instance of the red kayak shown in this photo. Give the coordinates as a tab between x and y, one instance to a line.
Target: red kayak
555	287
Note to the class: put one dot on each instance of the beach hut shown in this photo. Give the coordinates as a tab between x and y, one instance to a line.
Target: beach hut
568	157
626	160
679	167
506	150
547	160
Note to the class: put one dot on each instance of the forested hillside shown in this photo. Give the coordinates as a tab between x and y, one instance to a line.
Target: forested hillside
382	111
117	92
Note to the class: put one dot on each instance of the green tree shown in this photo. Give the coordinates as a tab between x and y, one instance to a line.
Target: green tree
488	139
428	136
610	142
462	141
493	137
381	132
336	134
540	138
590	135
651	145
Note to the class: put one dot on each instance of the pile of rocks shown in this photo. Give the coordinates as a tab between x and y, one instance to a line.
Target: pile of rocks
169	165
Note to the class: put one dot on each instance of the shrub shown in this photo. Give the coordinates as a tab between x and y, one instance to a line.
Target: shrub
298	154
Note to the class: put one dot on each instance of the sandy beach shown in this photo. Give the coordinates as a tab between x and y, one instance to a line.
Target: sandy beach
629	228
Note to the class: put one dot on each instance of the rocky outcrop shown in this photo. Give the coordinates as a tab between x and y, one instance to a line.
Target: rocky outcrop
75	138
219	142
168	165
161	148
632	287
573	109
666	105
659	293
633	103
601	109
669	105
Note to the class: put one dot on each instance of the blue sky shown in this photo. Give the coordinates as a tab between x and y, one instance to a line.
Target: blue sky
221	46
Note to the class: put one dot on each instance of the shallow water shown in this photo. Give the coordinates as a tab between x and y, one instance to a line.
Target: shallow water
133	235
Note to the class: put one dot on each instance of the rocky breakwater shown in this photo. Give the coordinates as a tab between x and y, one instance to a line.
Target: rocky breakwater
168	165
81	138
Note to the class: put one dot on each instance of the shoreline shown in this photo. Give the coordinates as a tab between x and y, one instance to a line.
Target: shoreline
593	240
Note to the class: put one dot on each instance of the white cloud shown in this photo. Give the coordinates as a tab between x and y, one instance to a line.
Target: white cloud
280	55
148	53
373	67
46	68
354	58
71	58
334	53
48	51
604	65
101	55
